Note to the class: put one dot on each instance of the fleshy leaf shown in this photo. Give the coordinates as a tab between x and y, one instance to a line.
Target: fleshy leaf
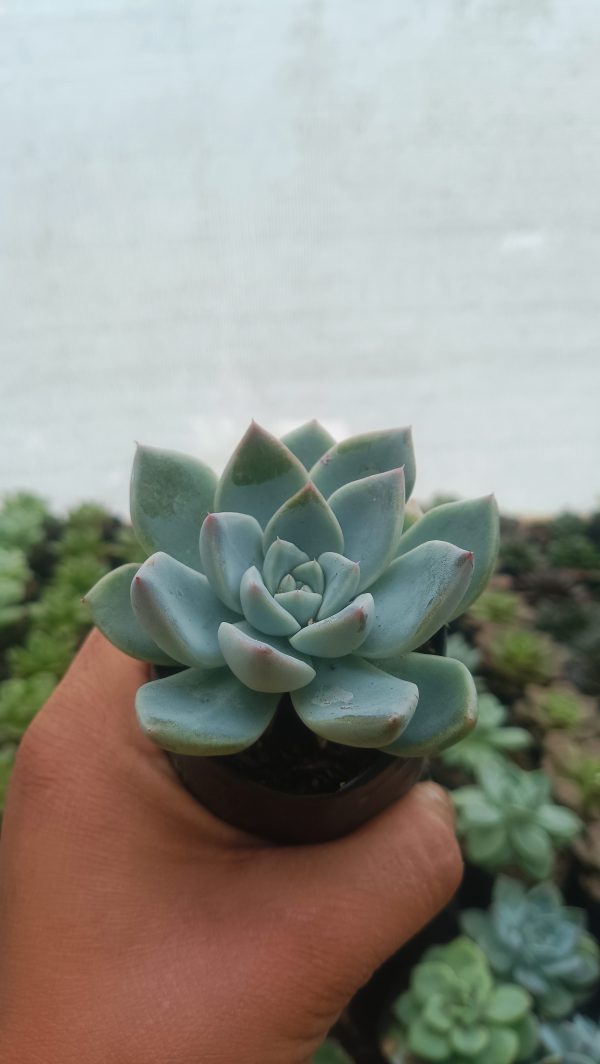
502	1048
260	475
363	456
308	442
281	558
109	602
203	713
306	520
415	597
170	496
371	512
341	582
472	525
447	707
229	545
352	702
507	1004
179	610
340	634
311	574
468	1041
263	663
427	1044
303	605
261	610
561	823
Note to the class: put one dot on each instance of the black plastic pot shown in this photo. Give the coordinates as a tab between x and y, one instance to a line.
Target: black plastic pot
296	818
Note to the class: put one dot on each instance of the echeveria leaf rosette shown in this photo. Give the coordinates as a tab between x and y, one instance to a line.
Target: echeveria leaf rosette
291	574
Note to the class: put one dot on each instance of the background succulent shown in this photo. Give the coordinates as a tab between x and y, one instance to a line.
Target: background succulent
575	1041
531	938
559	706
517	656
291	573
574	770
510	819
455	1013
489	739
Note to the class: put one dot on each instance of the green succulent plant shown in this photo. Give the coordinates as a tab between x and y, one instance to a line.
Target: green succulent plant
576	1041
42	652
455	1013
510	819
7	757
20	699
331	1053
498	606
291	574
489	739
531	938
14	577
520	656
559	706
23	520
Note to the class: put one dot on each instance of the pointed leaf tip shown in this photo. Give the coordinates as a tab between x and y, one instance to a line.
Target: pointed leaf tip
260	475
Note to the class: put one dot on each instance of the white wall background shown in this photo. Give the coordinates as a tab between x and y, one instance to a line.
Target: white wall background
373	213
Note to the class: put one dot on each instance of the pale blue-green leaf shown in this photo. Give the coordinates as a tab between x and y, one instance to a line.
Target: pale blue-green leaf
415	597
427	1044
306	520
468	1041
341	582
281	558
261	610
561	823
340	634
472	525
170	496
229	545
310	573
179	610
203	713
287	584
308	442
371	512
447	707
487	845
109	602
303	605
352	702
263	662
260	475
531	843
362	456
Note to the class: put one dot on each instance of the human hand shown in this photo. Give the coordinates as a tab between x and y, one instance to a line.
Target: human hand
137	928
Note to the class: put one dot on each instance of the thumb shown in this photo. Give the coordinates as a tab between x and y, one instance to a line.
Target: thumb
379	886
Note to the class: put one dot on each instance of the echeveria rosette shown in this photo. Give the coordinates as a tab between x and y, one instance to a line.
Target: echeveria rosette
575	1041
291	574
455	1013
510	819
532	938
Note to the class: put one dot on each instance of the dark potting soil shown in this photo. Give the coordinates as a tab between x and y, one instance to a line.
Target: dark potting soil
289	757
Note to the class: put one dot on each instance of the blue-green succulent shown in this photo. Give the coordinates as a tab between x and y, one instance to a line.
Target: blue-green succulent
531	938
510	819
490	739
455	1013
291	573
576	1041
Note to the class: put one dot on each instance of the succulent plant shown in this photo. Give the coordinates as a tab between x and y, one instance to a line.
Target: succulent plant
490	738
23	519
531	938
20	699
518	656
574	770
42	652
510	819
560	706
455	1013
575	1041
498	605
291	574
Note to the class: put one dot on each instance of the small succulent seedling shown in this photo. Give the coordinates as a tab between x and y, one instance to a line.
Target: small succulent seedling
489	739
455	1012
510	819
291	573
531	938
576	1041
518	656
560	706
